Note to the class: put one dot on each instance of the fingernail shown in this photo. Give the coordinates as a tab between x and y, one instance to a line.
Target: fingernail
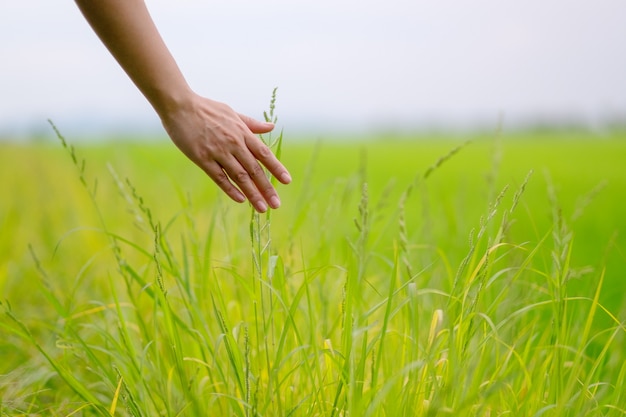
261	206
274	202
285	178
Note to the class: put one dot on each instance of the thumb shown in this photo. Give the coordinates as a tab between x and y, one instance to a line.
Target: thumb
256	126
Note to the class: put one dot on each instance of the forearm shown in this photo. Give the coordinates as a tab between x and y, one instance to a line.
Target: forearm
215	137
127	30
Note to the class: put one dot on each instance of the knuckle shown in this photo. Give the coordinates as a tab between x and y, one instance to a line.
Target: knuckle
206	151
231	140
264	152
257	172
221	179
240	176
268	190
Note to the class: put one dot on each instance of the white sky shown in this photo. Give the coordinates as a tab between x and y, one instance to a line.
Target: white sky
352	64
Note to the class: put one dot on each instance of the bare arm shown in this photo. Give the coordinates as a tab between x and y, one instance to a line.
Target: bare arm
216	138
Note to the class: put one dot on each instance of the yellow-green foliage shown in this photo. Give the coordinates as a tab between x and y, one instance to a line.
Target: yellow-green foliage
402	276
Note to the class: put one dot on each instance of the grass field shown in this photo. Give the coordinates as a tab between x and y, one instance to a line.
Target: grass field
403	276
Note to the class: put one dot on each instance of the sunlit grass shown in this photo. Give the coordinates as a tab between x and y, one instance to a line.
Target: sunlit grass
399	278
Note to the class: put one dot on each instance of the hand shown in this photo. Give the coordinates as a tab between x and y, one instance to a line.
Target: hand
211	134
223	143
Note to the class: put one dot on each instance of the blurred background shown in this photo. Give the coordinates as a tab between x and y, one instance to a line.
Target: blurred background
340	65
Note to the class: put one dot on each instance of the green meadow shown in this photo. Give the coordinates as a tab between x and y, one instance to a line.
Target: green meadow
404	275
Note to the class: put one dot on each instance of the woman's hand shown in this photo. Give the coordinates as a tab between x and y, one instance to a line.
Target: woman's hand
219	140
223	143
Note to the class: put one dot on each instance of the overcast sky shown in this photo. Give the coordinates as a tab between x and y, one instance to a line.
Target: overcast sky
350	64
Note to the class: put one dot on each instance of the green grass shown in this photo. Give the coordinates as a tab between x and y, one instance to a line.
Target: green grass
402	276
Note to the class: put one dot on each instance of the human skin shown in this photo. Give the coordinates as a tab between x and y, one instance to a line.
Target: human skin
222	142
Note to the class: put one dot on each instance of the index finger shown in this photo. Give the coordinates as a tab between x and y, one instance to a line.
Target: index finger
266	157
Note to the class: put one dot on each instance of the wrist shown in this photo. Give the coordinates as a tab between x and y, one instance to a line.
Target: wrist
167	103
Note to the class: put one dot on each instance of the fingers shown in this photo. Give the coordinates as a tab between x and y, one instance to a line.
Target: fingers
251	179
223	143
246	171
255	125
240	175
217	174
268	159
236	173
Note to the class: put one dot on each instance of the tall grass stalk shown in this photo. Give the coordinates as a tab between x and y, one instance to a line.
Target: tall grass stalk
377	318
